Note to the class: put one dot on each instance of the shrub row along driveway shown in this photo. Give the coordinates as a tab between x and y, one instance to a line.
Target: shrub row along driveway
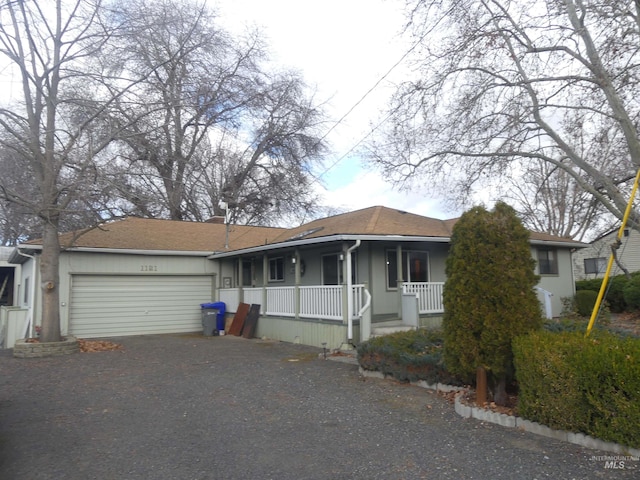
189	407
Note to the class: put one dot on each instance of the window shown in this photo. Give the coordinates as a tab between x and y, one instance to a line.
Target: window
415	267
276	269
595	265
332	269
547	261
247	273
26	292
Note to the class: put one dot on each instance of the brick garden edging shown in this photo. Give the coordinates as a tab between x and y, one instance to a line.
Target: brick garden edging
484	415
24	349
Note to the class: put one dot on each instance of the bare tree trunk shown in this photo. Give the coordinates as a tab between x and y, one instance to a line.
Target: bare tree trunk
500	392
50	278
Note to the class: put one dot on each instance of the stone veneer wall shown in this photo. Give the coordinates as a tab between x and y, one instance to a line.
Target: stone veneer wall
24	349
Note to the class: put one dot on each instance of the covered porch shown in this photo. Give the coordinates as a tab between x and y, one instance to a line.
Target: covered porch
343	308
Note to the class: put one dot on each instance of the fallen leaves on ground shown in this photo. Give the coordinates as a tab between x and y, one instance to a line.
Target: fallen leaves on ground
98	346
510	409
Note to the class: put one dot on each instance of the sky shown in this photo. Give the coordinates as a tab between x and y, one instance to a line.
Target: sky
342	48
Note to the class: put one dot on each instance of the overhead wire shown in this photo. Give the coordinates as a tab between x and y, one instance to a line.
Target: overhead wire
356	104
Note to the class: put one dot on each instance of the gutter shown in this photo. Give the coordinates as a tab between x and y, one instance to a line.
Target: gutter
126	251
352	238
332	238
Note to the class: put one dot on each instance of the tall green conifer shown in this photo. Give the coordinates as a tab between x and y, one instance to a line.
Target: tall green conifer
488	296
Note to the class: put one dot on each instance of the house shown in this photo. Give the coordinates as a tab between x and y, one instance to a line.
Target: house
326	283
591	262
134	276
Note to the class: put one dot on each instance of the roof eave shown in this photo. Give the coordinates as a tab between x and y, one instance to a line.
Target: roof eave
327	239
558	243
126	251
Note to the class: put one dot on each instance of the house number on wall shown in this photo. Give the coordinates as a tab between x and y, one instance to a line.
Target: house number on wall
148	268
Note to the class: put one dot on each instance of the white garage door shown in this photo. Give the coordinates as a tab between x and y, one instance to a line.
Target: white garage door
117	305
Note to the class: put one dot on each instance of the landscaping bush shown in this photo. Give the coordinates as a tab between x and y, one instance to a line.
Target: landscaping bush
615	294
489	295
585	300
408	356
589	385
631	292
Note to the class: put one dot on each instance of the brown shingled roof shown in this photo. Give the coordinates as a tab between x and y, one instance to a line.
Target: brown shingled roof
370	221
151	234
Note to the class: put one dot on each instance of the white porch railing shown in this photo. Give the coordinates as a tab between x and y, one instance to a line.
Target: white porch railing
231	298
429	295
316	301
281	301
254	295
321	301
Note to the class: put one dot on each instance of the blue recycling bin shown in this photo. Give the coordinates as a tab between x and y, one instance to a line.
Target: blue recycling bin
213	317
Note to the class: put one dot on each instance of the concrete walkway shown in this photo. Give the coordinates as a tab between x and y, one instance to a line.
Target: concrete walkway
189	407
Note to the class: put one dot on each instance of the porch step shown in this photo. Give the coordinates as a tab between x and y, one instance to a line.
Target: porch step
386	330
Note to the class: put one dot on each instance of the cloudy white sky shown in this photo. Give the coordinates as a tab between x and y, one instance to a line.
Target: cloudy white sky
343	48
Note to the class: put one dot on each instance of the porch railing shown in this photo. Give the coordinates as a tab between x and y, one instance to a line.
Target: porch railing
321	302
316	301
429	295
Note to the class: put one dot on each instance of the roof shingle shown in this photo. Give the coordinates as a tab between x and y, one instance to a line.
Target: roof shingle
134	233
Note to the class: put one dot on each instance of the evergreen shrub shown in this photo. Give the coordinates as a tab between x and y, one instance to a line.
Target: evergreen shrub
489	295
631	292
615	293
585	300
589	385
407	356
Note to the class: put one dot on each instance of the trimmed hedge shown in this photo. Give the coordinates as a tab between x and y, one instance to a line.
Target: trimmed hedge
616	295
408	356
589	385
631	293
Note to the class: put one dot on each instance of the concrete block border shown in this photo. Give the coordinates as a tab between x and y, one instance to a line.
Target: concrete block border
469	411
24	349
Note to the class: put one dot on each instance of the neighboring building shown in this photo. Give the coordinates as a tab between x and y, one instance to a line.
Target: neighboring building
591	262
8	278
314	282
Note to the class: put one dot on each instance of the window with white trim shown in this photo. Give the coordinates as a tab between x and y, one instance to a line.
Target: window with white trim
595	265
415	267
332	265
547	261
276	269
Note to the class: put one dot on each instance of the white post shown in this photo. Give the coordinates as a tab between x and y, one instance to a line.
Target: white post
350	292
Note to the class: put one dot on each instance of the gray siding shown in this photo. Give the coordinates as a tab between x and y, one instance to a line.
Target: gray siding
628	254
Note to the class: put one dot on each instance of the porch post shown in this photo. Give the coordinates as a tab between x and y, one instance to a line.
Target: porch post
296	268
400	280
240	280
265	281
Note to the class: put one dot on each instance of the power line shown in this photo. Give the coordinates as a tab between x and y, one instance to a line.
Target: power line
367	93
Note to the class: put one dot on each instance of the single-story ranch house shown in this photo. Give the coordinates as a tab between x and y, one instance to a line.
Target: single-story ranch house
326	283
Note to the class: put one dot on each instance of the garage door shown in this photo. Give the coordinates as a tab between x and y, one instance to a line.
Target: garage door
117	305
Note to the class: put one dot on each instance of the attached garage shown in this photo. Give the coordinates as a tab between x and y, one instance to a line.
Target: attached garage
119	305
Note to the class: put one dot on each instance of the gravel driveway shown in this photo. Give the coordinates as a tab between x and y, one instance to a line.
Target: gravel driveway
189	407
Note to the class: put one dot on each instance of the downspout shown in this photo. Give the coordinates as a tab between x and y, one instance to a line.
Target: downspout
350	293
32	294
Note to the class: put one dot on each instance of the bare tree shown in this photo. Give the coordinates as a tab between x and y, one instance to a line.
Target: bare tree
54	132
218	126
504	82
550	200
